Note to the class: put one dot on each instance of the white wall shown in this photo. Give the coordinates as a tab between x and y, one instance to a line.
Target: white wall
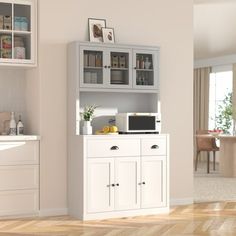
165	23
12	92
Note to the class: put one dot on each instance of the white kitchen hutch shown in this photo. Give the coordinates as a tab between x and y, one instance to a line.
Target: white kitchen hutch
115	175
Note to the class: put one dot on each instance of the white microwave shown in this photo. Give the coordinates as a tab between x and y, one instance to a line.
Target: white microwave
138	122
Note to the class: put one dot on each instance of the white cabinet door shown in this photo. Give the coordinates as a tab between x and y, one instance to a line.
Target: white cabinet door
119	68
102	67
145	69
93	69
127	178
153	179
100	192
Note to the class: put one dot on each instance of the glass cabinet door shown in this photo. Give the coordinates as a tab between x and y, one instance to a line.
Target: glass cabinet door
5	31
91	67
17	32
120	73
145	69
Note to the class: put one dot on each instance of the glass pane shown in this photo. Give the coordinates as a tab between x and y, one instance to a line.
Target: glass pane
5	16
22	46
6	46
22	17
119	68
219	101
144	69
93	67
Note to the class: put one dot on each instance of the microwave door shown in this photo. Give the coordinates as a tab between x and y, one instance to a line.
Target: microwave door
142	123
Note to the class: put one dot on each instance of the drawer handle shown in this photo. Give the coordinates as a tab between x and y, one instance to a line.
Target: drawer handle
154	146
114	148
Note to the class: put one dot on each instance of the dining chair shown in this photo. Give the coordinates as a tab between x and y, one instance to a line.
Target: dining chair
208	144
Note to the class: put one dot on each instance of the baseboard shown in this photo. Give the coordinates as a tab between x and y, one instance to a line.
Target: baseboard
181	201
53	212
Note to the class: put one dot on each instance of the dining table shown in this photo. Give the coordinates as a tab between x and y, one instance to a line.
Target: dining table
227	153
227	165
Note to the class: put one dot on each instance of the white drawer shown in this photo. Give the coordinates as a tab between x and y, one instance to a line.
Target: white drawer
19	177
113	148
19	153
153	147
19	202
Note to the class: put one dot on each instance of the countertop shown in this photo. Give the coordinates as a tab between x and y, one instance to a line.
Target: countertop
19	137
227	136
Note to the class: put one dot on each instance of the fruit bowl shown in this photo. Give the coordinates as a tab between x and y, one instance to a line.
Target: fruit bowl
215	132
109	130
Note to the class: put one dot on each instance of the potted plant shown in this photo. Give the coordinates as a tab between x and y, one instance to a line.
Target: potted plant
87	117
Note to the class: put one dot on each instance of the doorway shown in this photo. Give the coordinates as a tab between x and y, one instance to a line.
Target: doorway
218	55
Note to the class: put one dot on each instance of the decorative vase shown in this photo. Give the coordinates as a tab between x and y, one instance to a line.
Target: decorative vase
87	128
147	63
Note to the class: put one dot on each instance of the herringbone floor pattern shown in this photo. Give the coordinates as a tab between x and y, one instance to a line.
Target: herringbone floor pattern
217	218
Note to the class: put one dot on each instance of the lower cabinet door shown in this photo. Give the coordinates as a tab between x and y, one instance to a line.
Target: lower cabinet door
153	181
100	192
127	188
19	202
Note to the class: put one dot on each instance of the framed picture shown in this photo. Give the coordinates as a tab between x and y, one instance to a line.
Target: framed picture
108	35
95	29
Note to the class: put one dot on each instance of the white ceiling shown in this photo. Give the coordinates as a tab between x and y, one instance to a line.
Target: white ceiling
214	28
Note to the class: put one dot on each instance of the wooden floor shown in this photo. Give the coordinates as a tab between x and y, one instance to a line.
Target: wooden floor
218	218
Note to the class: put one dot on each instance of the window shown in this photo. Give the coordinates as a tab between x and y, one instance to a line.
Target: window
220	92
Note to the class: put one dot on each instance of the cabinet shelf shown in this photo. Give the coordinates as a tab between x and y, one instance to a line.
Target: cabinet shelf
92	68
19	32
113	68
146	70
2	31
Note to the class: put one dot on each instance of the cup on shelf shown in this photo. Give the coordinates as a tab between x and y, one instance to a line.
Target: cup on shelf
94	78
87	77
19	52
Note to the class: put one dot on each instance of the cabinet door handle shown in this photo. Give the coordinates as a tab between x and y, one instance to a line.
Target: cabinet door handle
114	148
154	146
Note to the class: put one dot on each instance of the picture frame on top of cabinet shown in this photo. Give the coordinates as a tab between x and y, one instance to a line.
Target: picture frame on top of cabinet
108	35
95	29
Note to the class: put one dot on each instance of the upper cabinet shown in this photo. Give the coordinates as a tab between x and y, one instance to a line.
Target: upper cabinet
18	32
113	66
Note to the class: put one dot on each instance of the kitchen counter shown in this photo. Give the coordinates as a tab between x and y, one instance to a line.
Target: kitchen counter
19	137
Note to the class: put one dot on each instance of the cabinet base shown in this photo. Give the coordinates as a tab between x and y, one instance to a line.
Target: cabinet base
119	214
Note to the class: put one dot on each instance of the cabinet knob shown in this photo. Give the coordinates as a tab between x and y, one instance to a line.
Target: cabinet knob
114	148
105	67
143	183
109	67
154	146
117	184
135	67
113	185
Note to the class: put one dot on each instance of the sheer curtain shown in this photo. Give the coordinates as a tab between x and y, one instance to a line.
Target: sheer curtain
234	98
201	100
